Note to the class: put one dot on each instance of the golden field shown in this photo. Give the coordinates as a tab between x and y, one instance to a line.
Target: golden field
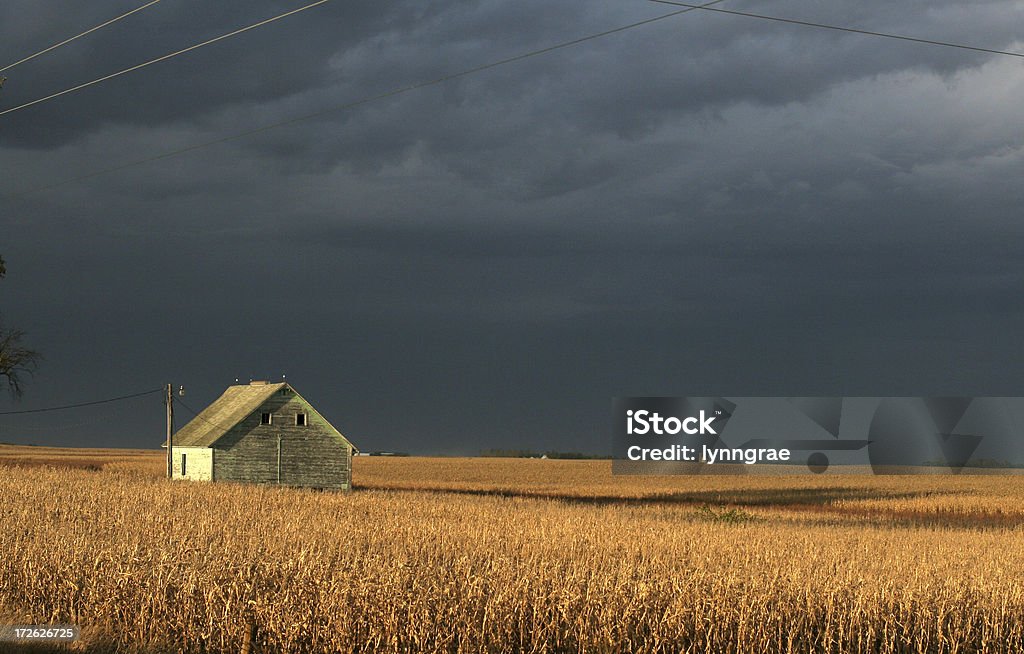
473	555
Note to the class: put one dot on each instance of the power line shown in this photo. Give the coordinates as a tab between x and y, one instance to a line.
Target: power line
355	103
163	57
75	406
61	428
197	414
78	36
852	30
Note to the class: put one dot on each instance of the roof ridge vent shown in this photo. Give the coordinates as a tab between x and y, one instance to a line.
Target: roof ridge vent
258	382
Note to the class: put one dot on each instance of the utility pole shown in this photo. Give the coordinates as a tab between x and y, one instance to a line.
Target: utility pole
169	401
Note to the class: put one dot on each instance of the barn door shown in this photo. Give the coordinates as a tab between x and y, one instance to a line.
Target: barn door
279	441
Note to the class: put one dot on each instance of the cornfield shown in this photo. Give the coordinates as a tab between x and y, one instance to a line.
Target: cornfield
466	555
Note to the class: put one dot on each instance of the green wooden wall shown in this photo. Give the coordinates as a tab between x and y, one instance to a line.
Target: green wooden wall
311	456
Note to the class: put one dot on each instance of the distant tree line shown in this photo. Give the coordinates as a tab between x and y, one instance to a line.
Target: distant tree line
380	453
979	463
531	454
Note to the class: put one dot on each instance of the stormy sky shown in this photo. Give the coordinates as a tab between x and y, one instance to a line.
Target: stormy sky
704	205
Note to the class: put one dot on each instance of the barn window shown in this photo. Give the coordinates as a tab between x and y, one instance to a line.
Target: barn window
182	465
266	419
300	419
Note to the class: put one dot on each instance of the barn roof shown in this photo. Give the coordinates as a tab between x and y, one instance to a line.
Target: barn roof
236	404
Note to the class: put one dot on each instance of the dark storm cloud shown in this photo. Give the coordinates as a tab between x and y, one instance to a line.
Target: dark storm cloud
705	205
275	61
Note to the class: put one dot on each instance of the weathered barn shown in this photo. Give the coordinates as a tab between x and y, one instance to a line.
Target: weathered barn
266	434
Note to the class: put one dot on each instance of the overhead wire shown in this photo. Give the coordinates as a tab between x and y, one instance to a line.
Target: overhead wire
78	36
840	28
686	7
81	404
355	103
199	415
165	57
61	428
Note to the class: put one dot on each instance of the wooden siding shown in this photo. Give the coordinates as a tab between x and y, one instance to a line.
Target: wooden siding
311	456
198	463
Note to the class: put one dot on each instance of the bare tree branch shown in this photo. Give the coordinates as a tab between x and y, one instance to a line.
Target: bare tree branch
16	360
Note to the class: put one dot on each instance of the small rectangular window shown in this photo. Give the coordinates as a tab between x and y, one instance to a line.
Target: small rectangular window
182	465
266	419
300	419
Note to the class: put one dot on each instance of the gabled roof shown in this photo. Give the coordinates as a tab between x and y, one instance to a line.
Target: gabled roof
235	405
